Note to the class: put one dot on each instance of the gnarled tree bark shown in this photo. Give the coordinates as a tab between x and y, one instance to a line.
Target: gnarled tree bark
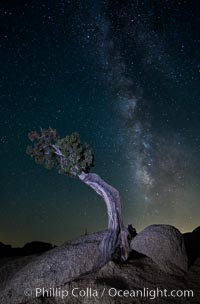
118	236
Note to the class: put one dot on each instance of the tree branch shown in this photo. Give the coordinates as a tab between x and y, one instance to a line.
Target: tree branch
57	151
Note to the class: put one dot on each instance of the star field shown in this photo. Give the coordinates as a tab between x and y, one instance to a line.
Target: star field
125	75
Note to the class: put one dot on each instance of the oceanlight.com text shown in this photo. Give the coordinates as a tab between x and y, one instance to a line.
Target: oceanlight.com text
111	292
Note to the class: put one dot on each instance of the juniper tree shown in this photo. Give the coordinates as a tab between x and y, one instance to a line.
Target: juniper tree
74	158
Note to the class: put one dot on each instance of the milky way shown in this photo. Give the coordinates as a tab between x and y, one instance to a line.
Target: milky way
158	162
135	131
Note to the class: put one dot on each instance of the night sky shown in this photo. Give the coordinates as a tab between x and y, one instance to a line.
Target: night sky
125	75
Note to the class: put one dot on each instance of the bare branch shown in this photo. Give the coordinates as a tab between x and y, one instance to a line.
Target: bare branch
57	150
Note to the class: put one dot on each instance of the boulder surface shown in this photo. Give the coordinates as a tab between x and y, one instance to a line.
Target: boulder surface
164	244
69	271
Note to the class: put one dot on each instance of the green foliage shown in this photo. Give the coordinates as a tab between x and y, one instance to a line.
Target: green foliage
42	150
68	155
78	155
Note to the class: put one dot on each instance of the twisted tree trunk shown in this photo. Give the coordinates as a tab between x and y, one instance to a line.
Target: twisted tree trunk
118	236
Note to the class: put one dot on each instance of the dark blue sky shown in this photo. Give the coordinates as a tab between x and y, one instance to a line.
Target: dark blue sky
126	76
